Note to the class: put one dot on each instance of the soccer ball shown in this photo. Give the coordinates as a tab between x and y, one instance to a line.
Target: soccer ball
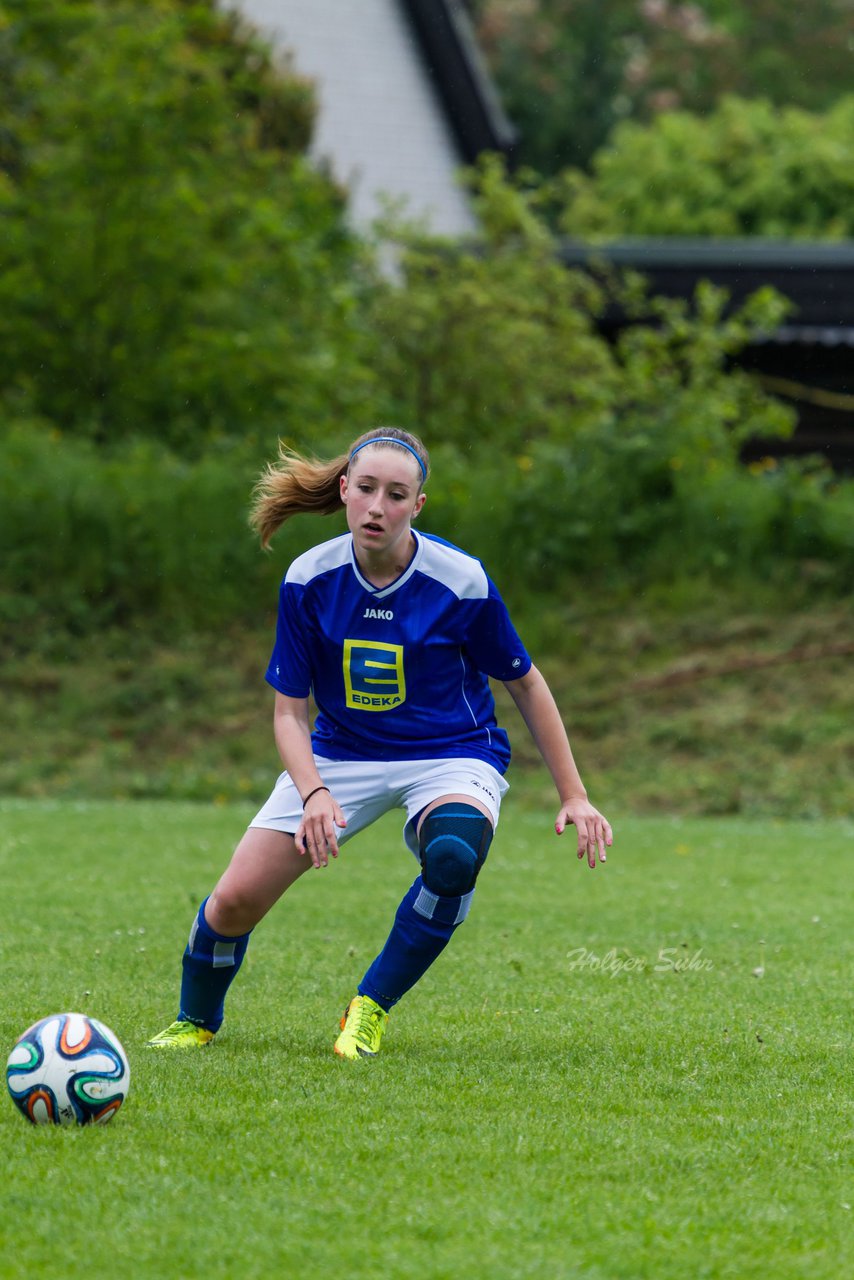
68	1069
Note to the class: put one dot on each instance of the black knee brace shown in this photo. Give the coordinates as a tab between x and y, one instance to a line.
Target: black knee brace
454	842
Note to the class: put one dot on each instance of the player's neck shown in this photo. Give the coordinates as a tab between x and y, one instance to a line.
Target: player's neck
384	567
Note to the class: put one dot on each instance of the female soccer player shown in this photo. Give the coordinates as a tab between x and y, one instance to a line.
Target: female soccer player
395	633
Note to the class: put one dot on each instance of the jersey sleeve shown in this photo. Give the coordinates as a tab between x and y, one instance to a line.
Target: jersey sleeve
289	671
492	642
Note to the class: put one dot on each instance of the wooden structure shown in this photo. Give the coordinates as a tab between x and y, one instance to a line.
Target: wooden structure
809	361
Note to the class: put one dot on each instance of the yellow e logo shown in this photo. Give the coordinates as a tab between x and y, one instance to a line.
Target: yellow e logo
373	675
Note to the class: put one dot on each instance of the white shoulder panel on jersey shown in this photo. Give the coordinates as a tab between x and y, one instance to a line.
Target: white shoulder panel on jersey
320	559
456	570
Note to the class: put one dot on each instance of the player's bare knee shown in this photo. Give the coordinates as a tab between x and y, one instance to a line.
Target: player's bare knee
230	911
454	841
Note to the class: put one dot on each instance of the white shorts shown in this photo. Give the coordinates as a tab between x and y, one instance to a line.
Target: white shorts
366	789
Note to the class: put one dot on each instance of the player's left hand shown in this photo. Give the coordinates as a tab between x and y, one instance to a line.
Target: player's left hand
594	831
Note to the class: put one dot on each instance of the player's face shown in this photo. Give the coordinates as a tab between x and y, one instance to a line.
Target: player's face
381	497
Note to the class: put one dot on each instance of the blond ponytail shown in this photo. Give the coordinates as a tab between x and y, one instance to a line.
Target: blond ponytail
293	485
297	485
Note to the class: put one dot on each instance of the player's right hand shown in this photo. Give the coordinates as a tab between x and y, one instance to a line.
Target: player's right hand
316	835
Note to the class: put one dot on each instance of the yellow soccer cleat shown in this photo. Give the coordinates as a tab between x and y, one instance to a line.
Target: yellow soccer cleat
181	1035
362	1028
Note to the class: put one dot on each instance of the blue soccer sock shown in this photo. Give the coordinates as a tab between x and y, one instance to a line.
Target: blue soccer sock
210	965
422	929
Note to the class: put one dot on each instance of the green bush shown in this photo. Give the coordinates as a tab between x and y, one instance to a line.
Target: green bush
745	169
139	535
165	269
570	70
615	510
558	459
564	458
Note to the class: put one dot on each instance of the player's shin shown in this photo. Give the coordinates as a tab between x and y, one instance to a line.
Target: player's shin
454	840
423	927
210	965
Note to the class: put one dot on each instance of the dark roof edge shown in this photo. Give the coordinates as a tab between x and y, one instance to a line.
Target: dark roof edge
452	56
691	251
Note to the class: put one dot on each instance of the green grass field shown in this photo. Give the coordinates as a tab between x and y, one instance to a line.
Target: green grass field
642	1071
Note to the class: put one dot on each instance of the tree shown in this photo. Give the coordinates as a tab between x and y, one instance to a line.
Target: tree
558	448
560	66
747	168
169	263
570	70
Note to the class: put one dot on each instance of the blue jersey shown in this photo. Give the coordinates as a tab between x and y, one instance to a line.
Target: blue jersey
397	672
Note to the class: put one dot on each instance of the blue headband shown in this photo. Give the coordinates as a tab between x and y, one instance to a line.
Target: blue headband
390	440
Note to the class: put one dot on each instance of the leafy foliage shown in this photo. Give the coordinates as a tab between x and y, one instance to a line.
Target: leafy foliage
746	169
491	345
560	450
570	70
166	260
179	288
